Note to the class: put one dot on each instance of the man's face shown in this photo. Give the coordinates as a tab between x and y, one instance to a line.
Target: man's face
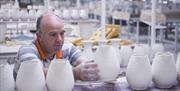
52	34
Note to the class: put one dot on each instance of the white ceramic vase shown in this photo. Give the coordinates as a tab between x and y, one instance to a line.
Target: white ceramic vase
158	47
23	14
75	14
87	51
83	14
115	44
32	14
60	76
125	52
7	82
108	63
164	70
30	76
139	49
2	32
138	73
66	14
178	67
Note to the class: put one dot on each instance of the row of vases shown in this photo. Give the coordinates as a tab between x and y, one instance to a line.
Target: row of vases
127	50
31	77
124	53
75	14
163	72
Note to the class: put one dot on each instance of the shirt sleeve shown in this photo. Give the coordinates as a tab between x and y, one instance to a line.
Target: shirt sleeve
71	52
74	54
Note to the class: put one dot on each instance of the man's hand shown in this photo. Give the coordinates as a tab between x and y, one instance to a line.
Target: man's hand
87	71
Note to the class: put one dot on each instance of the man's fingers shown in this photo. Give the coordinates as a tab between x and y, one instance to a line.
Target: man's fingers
90	65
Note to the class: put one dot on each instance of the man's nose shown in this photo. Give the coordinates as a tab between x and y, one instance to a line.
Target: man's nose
59	38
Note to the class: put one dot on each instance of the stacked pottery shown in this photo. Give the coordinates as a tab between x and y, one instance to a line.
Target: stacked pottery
178	67
14	14
30	76
75	14
32	14
66	14
2	32
108	63
7	82
125	52
83	14
23	14
87	51
138	74
164	70
60	76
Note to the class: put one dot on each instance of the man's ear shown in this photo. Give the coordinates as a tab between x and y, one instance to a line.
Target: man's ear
38	34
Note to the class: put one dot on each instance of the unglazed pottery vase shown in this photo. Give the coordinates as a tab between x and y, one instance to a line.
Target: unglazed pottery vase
30	76
178	67
139	49
32	14
83	14
164	70
138	73
87	51
2	33
108	63
115	44
60	76
75	14
66	14
157	48
125	52
7	82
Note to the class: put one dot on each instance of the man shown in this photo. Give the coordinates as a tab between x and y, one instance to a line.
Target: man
49	44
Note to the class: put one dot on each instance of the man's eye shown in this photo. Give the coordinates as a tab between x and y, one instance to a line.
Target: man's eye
62	33
53	34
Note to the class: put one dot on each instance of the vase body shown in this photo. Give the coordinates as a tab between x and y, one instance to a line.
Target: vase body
7	82
108	63
164	70
30	76
157	48
139	49
60	76
178	67
115	44
125	52
138	73
75	14
83	14
87	51
2	33
66	14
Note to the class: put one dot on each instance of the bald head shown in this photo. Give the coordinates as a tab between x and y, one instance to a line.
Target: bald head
48	19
